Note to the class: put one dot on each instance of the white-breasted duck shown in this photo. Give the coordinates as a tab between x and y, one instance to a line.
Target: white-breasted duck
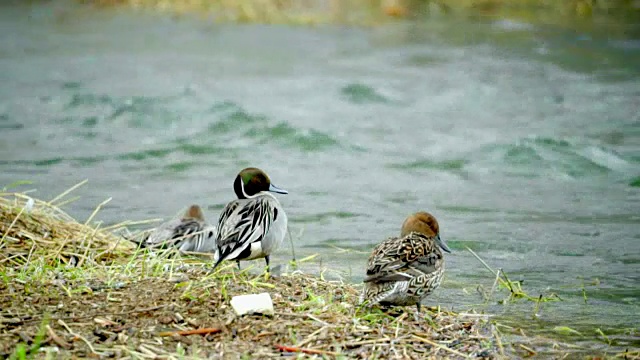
254	225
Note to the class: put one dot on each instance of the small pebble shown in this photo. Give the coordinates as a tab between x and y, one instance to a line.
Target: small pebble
122	338
165	320
178	279
178	318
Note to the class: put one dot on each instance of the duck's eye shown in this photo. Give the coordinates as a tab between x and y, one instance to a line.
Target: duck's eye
275	214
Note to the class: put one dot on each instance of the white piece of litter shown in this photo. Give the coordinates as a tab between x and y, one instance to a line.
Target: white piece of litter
252	304
29	206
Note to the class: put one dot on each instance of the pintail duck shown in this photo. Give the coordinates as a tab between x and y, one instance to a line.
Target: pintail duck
189	233
404	270
252	226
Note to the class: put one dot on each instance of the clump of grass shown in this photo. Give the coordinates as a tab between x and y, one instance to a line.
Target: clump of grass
34	228
516	291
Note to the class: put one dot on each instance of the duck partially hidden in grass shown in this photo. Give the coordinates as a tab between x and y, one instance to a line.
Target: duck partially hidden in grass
252	226
190	233
404	270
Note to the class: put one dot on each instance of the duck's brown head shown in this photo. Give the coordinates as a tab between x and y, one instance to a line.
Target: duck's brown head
426	224
194	212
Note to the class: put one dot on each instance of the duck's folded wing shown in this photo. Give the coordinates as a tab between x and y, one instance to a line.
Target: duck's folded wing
387	270
400	259
192	235
203	242
162	235
242	224
186	228
385	262
403	271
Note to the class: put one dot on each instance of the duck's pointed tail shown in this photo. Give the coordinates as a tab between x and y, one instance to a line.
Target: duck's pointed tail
140	241
218	259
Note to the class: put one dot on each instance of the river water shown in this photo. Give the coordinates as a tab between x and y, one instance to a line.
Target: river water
523	140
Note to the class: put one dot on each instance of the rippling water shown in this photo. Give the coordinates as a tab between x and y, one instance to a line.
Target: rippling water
523	140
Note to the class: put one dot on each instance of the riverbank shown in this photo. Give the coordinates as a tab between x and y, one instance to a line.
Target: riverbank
76	289
371	13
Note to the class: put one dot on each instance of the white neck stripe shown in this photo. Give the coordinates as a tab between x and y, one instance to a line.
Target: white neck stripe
243	192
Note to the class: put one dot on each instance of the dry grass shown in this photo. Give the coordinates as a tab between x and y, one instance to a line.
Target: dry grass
377	12
32	227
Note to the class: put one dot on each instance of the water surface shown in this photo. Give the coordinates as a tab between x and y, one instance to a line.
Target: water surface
523	140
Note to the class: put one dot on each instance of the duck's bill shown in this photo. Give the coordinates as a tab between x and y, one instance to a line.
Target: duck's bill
442	244
276	189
